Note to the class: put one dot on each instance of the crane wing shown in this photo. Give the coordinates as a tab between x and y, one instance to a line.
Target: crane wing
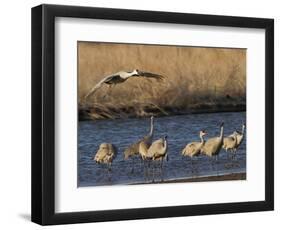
158	77
99	85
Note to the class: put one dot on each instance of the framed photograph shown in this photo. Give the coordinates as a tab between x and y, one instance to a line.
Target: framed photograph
142	114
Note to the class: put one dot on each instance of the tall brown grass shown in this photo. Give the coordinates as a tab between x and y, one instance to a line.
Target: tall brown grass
195	77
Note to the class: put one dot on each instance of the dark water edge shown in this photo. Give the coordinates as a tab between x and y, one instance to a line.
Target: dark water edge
87	113
223	177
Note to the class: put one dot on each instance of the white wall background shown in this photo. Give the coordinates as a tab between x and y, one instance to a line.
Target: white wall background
15	118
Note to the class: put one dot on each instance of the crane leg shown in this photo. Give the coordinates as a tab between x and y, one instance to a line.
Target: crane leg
144	169
109	172
152	171
133	164
234	154
196	166
192	169
217	164
213	162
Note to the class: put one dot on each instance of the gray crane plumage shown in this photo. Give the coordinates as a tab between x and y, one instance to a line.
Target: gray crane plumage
133	150
105	154
240	136
213	145
230	142
121	77
194	148
157	152
158	149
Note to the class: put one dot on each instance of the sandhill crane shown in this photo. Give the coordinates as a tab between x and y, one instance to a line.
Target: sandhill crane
157	151
120	77
193	149
105	154
134	149
213	145
230	142
239	139
143	151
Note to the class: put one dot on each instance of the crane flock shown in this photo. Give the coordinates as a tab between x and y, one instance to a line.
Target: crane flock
157	151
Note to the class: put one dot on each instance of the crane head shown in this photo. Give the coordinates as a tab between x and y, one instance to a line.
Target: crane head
135	73
203	133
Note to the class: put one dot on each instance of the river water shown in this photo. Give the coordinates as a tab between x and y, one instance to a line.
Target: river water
180	131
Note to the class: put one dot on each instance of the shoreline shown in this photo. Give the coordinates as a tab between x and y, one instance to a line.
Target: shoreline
227	177
102	113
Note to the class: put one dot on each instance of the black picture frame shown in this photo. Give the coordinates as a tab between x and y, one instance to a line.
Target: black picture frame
43	110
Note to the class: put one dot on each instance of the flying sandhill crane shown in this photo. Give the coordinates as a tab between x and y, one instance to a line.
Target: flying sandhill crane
133	150
105	154
213	145
120	77
194	148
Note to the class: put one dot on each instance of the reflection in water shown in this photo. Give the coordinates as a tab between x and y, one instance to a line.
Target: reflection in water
180	131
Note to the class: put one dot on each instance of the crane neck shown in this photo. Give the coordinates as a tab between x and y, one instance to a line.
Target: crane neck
202	139
151	128
165	145
127	75
166	149
243	129
221	134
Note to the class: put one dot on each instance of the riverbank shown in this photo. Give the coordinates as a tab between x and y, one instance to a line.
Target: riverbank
108	111
195	80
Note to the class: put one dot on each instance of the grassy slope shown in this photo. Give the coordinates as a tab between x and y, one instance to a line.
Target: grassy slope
197	79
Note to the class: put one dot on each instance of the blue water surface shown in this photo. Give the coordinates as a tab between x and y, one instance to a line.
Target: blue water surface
180	130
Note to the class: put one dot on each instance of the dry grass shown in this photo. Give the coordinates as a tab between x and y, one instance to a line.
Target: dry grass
196	78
